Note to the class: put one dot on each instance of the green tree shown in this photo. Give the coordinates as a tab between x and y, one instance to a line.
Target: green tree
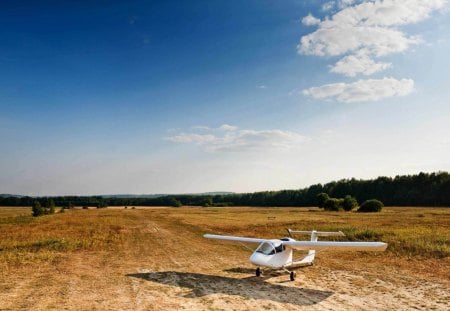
349	203
37	209
171	201
50	207
333	204
207	202
101	204
371	206
321	199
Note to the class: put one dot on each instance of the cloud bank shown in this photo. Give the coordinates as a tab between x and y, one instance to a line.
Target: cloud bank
362	90
362	32
231	138
370	26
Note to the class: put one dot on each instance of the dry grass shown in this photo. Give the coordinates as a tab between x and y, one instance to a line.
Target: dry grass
410	232
149	258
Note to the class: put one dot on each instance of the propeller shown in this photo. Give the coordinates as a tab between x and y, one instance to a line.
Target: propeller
289	232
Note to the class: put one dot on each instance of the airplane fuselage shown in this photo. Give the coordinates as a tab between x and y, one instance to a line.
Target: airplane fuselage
278	260
272	254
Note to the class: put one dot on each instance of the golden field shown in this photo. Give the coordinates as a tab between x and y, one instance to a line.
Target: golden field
156	258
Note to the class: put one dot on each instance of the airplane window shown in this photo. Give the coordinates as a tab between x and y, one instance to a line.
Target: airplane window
266	248
279	248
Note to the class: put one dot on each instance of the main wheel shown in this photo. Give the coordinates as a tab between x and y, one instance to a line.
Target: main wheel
258	271
292	275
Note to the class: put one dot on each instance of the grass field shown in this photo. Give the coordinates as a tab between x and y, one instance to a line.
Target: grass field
156	258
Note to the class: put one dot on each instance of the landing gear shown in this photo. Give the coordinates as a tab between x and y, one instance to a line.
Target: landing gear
292	275
258	271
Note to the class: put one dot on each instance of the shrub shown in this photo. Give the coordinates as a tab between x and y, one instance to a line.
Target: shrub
37	209
50	207
333	204
176	203
171	201
101	204
207	202
321	199
371	206
349	203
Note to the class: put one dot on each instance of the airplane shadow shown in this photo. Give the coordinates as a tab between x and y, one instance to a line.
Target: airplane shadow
267	273
241	270
247	288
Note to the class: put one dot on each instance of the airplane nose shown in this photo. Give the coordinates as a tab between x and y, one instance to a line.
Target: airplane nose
256	259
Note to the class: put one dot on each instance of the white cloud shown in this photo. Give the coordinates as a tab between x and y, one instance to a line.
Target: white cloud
359	63
201	127
262	86
345	3
310	20
371	26
328	6
332	39
362	90
227	127
234	139
192	138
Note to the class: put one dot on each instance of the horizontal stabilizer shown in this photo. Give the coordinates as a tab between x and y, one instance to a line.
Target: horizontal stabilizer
341	246
319	233
233	238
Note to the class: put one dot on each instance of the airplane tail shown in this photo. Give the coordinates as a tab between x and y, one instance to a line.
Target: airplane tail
317	233
308	260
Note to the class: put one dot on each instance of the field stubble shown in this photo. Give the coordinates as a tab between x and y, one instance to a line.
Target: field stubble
157	259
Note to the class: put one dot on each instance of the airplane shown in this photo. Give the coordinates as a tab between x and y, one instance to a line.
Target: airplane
278	253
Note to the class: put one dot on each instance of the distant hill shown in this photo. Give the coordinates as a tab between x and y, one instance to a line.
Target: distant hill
5	195
162	195
106	196
132	195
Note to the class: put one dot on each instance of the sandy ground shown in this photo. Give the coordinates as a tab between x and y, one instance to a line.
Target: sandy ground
176	269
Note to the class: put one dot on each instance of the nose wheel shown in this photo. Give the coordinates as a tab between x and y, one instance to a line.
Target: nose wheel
258	271
292	276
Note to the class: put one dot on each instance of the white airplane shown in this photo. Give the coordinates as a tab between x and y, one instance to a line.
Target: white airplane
277	253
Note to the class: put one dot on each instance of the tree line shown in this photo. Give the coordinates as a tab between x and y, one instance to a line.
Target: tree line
423	189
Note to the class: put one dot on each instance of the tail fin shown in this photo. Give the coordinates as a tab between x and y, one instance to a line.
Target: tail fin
309	258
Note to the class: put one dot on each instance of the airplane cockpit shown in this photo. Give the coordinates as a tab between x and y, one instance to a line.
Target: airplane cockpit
270	248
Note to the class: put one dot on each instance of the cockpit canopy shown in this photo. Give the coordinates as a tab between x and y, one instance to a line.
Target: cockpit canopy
270	247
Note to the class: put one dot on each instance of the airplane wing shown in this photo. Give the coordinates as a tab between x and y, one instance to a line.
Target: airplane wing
343	246
233	238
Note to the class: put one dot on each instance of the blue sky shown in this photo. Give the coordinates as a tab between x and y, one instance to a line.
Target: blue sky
193	96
